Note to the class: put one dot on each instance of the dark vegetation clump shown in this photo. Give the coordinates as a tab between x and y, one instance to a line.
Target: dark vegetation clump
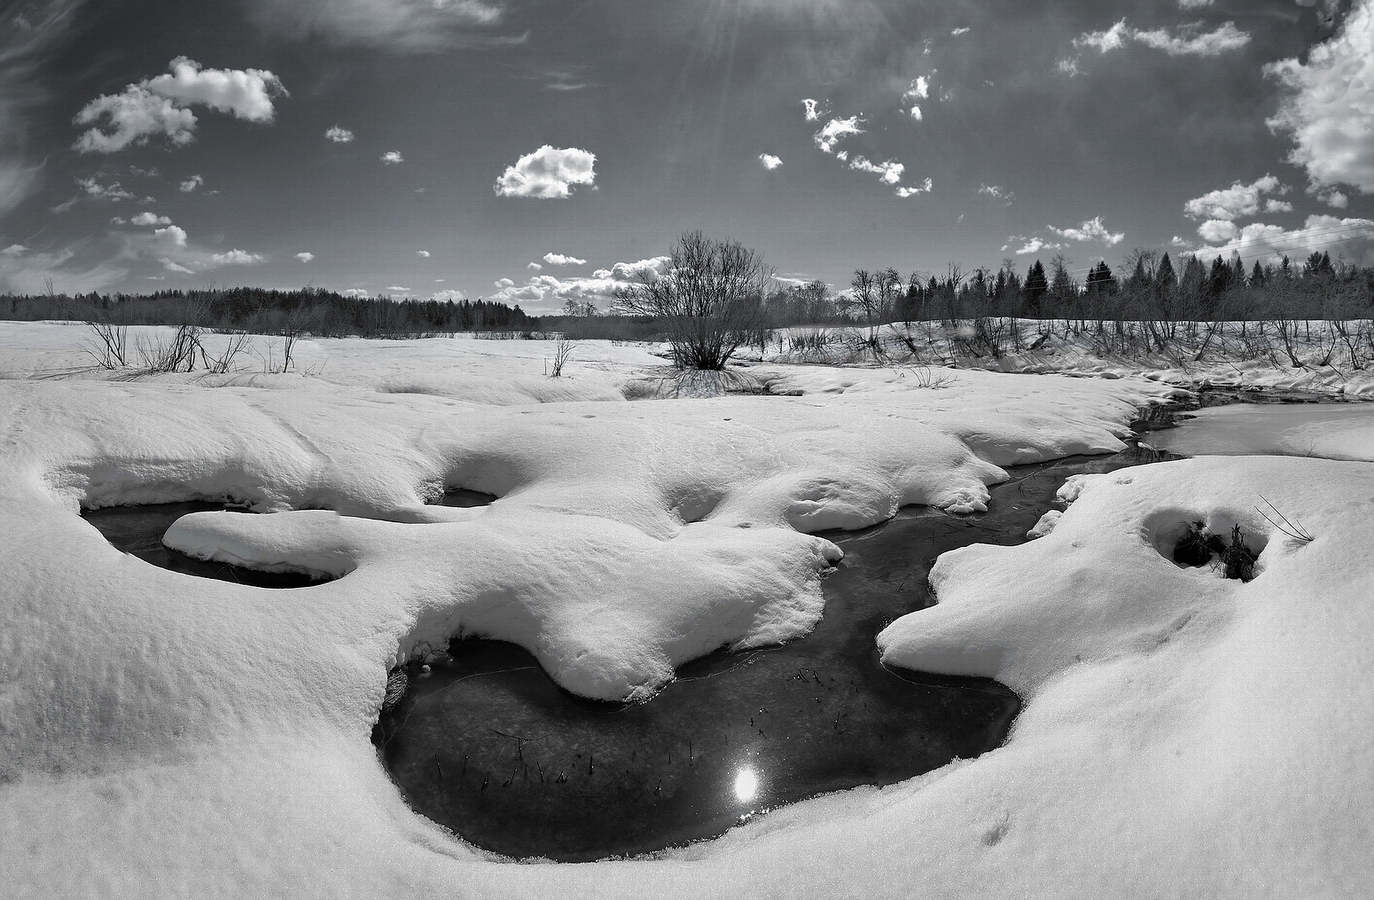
1238	559
1198	547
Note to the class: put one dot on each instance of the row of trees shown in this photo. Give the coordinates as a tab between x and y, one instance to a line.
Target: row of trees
717	296
308	310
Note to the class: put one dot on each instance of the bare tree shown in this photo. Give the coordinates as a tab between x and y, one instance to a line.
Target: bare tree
710	299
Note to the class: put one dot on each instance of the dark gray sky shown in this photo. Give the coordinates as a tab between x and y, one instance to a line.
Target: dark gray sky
448	147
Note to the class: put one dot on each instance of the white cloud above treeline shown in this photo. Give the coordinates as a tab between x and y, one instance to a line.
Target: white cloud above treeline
558	259
599	288
1328	104
1352	237
338	135
1091	230
1191	40
548	173
161	105
1236	202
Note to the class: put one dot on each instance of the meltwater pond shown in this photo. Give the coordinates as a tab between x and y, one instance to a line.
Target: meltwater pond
488	746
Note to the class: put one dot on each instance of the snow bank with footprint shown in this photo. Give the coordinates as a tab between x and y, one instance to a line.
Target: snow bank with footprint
162	735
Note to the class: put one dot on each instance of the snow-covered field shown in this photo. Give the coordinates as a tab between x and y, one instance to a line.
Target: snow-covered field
162	735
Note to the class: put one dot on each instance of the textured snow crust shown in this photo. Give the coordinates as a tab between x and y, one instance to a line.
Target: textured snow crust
162	735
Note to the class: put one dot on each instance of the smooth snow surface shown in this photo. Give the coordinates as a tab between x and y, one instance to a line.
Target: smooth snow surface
1331	431
162	735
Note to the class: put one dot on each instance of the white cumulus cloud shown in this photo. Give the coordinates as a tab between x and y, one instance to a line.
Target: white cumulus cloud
172	234
548	173
305	257
1214	231
835	130
888	172
392	157
149	219
558	259
161	105
191	184
534	267
338	135
1091	230
1235	202
1328	104
112	192
925	188
422	253
236	258
769	161
1354	237
813	109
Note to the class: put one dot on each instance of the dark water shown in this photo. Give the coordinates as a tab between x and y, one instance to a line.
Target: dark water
487	745
138	530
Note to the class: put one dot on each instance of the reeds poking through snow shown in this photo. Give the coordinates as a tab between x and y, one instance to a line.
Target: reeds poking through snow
1294	530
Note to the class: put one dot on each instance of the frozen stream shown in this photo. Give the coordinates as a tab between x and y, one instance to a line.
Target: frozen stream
487	745
1328	430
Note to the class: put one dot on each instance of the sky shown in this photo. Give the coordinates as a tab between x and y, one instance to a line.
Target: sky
541	151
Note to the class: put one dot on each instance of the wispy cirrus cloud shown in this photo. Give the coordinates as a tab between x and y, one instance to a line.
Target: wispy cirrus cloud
408	25
27	32
1190	40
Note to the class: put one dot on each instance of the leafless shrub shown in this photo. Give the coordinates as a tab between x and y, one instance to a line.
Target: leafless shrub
109	347
561	351
176	355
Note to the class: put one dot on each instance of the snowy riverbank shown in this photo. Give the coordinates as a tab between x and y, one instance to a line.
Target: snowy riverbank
162	735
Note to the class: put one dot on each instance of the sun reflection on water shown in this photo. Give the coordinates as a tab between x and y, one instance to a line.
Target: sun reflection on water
746	785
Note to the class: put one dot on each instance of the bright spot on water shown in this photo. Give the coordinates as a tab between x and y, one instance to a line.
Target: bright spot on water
746	784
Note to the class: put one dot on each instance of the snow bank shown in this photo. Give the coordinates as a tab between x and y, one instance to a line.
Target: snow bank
162	735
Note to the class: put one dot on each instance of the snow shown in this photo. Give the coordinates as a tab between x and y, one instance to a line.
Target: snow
1332	431
1184	735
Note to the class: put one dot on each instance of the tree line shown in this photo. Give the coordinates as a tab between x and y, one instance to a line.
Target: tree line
265	311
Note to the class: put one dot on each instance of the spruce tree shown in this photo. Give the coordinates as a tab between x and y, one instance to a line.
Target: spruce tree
1034	288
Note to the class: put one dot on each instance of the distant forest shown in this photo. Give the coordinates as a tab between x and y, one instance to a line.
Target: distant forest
258	310
1147	289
